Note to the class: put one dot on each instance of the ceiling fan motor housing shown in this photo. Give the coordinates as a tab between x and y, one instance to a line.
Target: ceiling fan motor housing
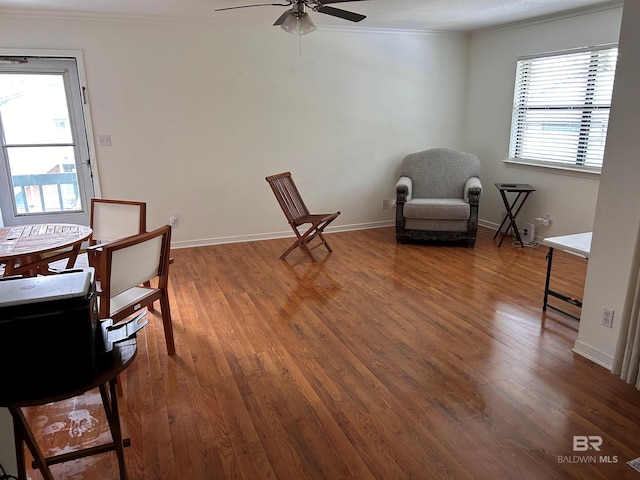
297	13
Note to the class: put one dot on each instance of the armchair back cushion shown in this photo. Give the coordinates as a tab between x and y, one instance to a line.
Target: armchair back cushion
439	172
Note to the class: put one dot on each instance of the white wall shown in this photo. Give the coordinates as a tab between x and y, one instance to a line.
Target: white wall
569	197
615	242
199	114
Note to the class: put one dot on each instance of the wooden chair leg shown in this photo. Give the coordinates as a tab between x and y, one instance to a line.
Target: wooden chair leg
147	284
306	248
304	240
23	435
324	240
118	383
110	402
19	447
167	324
295	245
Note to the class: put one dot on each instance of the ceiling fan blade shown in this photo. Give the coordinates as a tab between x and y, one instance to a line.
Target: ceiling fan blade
283	17
337	12
255	5
324	2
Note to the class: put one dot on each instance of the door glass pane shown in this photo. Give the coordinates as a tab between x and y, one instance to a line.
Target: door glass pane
44	179
34	109
38	143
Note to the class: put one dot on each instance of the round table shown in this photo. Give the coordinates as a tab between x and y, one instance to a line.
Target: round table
28	249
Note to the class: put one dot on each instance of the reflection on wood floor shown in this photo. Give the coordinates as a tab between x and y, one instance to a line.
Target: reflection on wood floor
380	361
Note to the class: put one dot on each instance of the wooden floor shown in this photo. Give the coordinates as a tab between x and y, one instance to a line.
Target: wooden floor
381	361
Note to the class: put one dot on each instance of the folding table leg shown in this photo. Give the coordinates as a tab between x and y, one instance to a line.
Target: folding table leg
546	284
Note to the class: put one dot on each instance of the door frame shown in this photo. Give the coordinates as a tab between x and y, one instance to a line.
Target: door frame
86	112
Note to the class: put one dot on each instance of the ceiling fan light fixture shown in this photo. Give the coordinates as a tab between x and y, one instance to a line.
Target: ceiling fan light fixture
298	23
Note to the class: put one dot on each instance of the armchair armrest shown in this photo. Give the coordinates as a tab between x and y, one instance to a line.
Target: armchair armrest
472	190
404	188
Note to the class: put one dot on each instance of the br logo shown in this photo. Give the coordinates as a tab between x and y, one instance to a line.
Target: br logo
583	443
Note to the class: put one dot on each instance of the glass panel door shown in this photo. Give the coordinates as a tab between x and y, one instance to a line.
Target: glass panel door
44	150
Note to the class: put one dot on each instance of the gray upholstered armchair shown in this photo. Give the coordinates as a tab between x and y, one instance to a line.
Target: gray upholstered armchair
437	197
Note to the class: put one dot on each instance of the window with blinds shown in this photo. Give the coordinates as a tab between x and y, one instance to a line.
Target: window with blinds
561	108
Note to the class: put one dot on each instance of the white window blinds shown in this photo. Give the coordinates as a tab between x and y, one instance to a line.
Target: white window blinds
561	108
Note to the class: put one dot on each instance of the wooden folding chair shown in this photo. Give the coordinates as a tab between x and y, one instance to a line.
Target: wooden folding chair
298	215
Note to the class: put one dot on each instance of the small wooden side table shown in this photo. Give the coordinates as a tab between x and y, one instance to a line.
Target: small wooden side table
523	191
123	355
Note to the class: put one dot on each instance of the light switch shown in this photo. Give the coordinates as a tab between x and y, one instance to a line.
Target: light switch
104	140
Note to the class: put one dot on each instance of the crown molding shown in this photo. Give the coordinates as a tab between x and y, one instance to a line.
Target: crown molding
576	12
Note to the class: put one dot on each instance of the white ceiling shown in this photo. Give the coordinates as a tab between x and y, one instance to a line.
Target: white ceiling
454	15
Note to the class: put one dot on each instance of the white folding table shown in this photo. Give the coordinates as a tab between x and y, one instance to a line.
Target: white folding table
577	244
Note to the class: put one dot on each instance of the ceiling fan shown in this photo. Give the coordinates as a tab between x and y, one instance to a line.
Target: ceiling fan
297	21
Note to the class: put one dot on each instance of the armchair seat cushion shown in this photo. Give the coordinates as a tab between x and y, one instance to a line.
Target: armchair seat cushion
437	209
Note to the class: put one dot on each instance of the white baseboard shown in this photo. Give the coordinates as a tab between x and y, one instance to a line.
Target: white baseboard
593	354
485	223
273	235
288	234
494	227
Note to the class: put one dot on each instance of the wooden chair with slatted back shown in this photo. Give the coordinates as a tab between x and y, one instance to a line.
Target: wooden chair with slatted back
127	266
298	215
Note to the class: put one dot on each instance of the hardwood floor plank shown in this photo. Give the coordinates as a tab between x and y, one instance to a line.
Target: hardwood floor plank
378	361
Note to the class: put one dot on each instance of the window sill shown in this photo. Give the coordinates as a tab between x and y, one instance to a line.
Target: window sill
555	168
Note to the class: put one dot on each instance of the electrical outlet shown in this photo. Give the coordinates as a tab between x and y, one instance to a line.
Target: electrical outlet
173	221
385	204
607	317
